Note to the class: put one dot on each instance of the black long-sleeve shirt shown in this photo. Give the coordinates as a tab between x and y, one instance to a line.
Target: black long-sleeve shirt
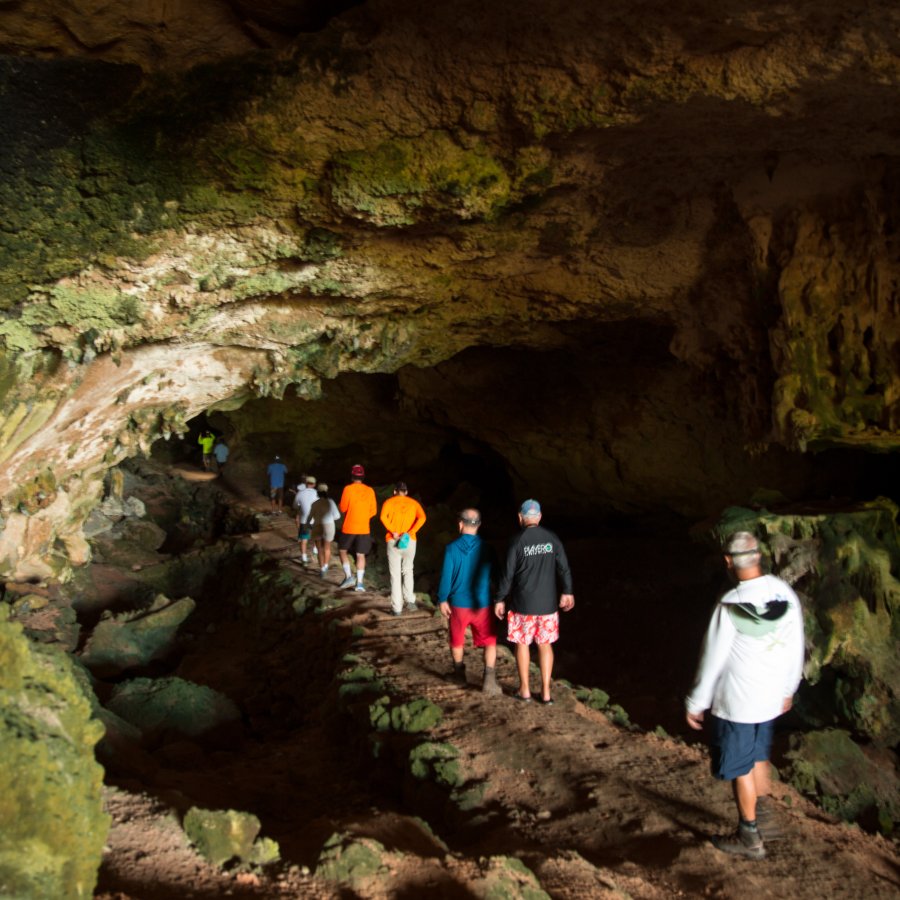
534	560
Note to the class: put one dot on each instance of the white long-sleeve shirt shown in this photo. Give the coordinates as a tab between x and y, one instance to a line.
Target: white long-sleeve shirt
752	657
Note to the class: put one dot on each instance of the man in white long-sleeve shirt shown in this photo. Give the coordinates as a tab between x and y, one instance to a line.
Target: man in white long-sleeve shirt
750	669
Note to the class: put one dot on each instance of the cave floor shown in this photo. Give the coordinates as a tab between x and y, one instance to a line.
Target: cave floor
593	809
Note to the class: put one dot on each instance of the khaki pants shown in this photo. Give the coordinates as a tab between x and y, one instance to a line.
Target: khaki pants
400	565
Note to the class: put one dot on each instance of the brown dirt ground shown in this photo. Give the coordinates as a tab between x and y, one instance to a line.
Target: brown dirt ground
594	810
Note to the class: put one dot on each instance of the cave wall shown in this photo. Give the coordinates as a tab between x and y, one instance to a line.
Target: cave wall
402	185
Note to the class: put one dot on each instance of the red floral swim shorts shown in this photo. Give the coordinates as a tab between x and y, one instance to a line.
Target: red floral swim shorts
539	629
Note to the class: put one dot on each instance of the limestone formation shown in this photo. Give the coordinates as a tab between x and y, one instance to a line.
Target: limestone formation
404	184
52	824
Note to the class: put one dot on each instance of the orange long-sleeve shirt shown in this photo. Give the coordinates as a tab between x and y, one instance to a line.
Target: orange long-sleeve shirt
358	504
402	514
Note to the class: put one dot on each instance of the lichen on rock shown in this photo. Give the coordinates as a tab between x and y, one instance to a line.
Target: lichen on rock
52	824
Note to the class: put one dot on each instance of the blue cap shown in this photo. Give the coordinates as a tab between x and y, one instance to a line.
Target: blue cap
530	508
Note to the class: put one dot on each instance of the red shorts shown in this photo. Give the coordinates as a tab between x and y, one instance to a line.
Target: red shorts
525	629
482	622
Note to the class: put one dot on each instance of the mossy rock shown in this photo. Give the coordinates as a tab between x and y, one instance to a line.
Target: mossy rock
224	835
842	565
349	859
135	639
595	698
416	716
508	878
172	706
850	782
436	762
52	824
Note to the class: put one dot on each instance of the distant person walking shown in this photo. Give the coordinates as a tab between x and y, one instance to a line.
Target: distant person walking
206	441
358	505
303	500
534	571
277	471
220	452
402	517
750	668
464	594
323	517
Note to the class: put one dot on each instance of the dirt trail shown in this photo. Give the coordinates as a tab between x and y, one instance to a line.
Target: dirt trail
594	810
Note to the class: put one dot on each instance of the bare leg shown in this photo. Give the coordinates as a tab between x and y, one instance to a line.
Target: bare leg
745	796
545	661
360	562
490	656
523	661
345	557
324	552
762	778
457	654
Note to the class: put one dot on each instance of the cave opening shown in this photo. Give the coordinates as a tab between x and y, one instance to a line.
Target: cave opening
629	452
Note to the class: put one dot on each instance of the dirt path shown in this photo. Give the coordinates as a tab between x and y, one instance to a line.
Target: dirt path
594	810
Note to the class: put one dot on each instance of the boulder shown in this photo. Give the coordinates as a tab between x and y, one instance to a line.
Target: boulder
52	828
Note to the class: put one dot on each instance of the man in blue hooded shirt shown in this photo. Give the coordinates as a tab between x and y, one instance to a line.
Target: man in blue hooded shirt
465	598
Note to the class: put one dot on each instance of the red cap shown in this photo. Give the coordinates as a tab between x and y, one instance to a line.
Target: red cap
358	471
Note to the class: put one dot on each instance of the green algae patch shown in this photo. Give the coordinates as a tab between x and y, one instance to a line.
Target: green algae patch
595	698
508	878
350	859
403	181
172	706
221	836
436	762
853	783
52	824
416	716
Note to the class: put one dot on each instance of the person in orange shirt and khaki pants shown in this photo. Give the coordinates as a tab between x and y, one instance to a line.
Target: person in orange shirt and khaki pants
402	517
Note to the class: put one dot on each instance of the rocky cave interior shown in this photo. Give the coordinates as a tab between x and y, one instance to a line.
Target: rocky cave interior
640	263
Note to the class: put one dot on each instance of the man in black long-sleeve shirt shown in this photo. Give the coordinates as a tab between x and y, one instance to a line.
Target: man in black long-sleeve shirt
534	561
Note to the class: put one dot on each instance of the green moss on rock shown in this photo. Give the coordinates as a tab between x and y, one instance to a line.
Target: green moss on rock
436	762
224	835
349	859
52	824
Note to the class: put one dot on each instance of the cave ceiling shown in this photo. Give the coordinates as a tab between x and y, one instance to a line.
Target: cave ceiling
210	203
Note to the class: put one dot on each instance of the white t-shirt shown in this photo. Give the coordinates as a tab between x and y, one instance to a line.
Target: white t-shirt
752	657
303	500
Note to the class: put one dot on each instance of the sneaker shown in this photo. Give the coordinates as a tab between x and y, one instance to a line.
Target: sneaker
744	842
323	573
411	606
360	587
349	581
315	551
396	612
304	559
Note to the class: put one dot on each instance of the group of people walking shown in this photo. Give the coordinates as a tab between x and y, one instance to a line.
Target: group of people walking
750	665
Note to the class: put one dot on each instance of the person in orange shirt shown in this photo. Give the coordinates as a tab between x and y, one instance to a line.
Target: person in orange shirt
358	505
402	517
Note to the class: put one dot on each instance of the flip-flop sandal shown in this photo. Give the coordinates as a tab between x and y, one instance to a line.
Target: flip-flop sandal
548	702
518	696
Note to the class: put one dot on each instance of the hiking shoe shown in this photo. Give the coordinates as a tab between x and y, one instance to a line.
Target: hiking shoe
396	612
347	582
458	673
744	842
304	560
489	684
360	587
323	573
412	606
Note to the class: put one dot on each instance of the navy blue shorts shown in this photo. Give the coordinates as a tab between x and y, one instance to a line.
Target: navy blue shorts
735	747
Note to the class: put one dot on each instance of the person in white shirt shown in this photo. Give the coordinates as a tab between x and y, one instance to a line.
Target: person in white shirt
750	668
303	500
323	517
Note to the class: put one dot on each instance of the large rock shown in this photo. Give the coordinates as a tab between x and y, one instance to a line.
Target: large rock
172	707
842	564
52	824
134	639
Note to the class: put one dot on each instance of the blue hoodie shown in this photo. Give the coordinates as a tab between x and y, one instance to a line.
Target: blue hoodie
466	574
